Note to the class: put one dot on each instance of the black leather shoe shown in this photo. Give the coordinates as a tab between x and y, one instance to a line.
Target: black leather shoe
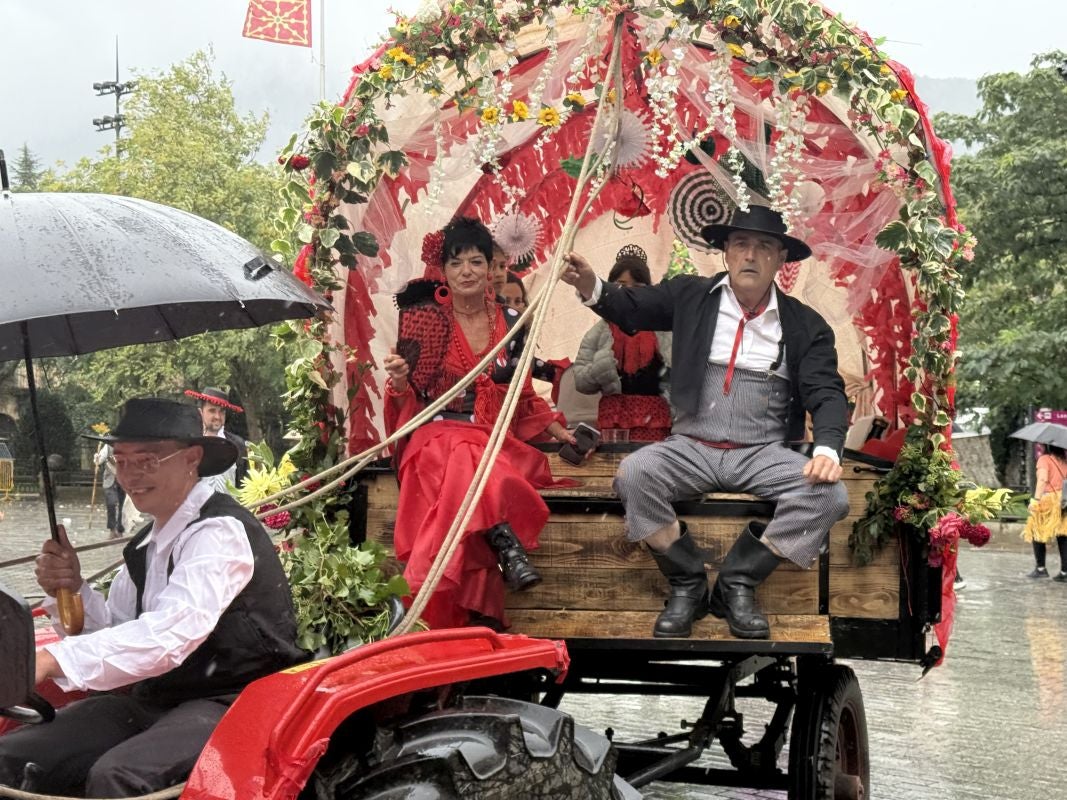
733	597
1061	577
683	566
514	561
1037	572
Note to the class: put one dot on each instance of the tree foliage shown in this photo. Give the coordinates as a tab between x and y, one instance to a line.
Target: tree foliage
1011	184
187	146
28	170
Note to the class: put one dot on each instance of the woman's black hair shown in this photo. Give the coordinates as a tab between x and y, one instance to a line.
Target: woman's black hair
513	278
1055	450
466	233
637	268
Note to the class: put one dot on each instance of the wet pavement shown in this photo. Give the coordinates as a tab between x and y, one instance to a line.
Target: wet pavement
991	723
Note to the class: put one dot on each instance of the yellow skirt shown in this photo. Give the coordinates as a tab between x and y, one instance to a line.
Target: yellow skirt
1045	522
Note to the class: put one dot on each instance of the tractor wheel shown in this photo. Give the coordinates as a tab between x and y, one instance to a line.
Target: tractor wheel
491	748
828	756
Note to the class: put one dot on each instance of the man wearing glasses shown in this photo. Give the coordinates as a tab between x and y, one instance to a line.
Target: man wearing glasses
200	608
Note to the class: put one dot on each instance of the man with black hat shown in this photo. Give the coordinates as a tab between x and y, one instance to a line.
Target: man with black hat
748	362
213	404
200	609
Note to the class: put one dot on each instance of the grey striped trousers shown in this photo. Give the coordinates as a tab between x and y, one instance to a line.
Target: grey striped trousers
679	468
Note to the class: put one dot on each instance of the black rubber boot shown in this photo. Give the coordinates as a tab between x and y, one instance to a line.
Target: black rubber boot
683	566
733	597
514	562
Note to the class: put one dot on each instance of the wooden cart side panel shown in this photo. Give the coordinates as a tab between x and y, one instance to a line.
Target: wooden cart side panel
588	564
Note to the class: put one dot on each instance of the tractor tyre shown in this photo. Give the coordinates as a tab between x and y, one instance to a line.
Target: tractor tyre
491	748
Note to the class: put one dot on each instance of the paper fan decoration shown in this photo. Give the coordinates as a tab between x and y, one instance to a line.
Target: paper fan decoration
631	144
696	201
517	234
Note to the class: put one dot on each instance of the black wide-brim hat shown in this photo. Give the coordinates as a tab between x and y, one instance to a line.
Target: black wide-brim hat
758	219
151	419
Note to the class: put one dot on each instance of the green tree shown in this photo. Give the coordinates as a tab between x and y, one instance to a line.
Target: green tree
28	170
187	146
1011	184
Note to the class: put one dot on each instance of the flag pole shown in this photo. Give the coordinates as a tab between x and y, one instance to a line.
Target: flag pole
322	50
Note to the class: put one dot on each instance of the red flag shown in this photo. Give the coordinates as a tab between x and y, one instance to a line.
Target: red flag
281	21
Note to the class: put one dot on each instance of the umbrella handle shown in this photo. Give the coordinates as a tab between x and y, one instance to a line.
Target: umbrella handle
71	611
69	604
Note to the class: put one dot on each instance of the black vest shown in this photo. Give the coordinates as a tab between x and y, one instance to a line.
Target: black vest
256	634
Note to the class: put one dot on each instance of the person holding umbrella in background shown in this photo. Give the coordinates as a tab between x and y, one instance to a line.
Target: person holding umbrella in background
200	608
1047	520
213	404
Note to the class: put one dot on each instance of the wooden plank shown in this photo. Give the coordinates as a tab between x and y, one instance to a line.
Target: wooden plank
564	588
870	592
841	553
638	625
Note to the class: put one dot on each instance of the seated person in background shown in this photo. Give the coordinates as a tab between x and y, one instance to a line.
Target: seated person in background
498	270
448	322
200	609
630	371
514	292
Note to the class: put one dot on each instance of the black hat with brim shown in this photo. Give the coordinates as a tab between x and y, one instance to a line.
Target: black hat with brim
152	419
758	219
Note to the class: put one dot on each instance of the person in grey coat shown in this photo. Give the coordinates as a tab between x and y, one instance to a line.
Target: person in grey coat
749	362
628	369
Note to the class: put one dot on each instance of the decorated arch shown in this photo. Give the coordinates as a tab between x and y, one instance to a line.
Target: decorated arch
487	109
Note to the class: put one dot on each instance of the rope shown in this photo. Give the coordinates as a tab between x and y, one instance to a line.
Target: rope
540	309
18	794
79	549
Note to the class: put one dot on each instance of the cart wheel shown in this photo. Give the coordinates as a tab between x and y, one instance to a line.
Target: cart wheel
492	748
828	756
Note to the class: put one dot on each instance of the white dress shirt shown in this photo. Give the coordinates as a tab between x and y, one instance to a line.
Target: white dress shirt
759	342
212	563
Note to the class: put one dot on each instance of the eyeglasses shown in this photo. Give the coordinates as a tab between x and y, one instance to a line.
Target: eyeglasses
146	463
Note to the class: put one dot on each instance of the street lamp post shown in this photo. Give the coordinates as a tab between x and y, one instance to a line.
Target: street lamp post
117	88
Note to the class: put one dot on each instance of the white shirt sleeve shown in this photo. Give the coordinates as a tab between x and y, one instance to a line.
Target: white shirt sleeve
212	563
595	297
829	452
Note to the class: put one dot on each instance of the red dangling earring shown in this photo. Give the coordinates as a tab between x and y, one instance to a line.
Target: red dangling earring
442	295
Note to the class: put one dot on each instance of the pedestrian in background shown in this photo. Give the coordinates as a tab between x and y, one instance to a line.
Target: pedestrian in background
114	497
213	404
1047	520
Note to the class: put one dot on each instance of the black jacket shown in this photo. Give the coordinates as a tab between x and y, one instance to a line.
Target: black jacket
687	306
242	458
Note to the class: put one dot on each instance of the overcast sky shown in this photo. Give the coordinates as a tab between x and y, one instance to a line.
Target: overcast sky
53	51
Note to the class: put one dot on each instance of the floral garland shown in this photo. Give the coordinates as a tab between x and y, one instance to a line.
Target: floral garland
792	47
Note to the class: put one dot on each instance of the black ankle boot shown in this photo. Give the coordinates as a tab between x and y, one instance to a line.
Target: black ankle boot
733	597
514	562
683	566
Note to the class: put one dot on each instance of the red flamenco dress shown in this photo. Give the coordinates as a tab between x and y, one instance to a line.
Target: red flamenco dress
437	463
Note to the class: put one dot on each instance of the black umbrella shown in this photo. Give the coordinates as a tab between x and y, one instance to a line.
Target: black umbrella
1042	433
85	272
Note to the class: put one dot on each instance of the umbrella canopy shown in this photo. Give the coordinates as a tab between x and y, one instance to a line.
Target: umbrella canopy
1043	433
90	271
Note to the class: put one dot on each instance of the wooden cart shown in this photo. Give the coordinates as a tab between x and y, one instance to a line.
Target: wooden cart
601	595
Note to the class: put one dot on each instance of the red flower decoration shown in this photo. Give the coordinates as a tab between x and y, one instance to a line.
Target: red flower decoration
299	162
275	521
300	266
433	245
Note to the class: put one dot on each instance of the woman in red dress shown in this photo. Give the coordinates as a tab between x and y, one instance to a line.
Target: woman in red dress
448	321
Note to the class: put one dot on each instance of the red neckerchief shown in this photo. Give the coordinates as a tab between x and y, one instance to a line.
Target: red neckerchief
746	316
